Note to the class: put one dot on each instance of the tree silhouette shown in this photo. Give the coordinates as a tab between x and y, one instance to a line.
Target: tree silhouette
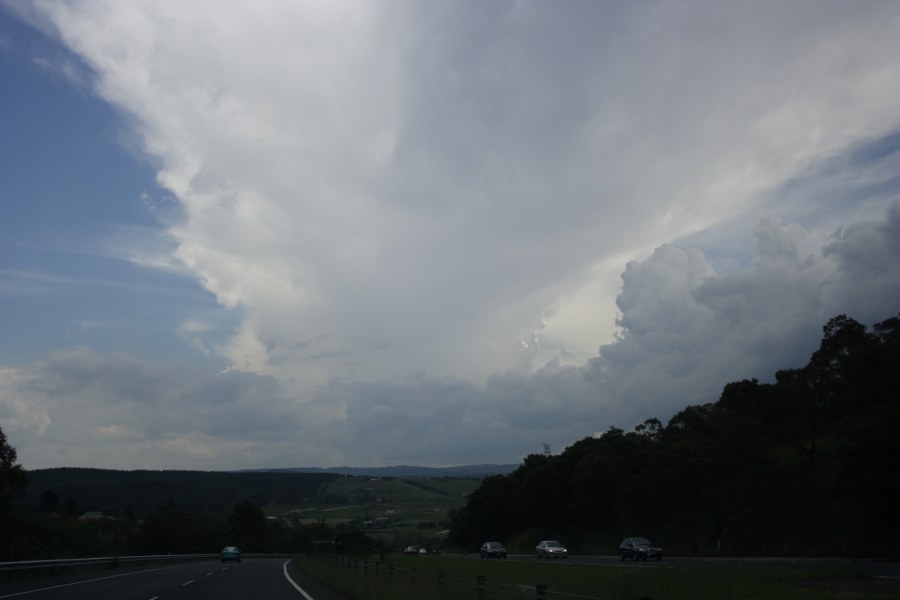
13	482
248	523
808	464
49	501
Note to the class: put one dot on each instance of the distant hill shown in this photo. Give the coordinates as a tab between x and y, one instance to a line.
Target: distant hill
139	493
142	492
478	471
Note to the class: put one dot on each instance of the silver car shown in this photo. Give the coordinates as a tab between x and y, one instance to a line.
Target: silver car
551	549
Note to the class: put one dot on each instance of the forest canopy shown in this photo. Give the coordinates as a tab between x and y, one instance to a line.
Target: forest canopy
806	465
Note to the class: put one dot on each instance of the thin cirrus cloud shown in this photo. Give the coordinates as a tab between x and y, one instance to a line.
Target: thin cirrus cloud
453	231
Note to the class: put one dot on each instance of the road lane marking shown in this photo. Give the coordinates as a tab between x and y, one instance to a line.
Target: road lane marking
63	585
294	583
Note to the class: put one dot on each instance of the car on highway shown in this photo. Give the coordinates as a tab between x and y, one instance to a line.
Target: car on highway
639	548
551	549
230	554
493	550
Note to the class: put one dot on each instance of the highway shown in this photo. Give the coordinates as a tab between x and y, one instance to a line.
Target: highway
278	579
272	579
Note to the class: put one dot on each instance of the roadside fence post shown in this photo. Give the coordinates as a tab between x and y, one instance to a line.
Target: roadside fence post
479	586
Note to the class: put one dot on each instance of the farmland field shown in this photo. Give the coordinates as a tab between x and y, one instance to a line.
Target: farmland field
397	511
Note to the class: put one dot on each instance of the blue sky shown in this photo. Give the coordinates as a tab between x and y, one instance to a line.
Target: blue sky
382	233
76	185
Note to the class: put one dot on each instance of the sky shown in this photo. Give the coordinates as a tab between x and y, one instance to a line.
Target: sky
370	233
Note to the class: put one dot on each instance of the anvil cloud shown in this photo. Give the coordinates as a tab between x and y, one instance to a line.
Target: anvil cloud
448	232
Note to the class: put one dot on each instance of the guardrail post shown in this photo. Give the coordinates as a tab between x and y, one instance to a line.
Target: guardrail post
479	586
540	591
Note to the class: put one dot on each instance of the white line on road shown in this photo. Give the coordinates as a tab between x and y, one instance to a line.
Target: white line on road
53	587
294	583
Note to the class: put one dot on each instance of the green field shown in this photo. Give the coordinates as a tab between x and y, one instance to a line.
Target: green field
398	512
438	577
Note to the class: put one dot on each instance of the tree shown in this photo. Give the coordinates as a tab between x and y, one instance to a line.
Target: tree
488	513
13	479
13	482
49	501
248	522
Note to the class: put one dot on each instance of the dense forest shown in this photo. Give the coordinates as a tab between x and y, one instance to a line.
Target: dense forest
806	465
60	513
72	491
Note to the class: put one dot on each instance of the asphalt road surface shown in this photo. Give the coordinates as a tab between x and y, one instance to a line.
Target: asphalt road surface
272	579
278	579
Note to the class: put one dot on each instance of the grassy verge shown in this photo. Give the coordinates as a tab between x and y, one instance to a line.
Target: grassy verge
437	577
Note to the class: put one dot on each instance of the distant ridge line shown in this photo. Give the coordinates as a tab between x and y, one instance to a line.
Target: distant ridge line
402	471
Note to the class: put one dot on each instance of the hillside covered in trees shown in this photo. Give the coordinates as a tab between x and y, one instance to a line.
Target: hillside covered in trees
61	513
806	465
71	491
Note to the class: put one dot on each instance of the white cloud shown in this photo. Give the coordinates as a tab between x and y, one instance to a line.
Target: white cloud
396	196
685	333
437	178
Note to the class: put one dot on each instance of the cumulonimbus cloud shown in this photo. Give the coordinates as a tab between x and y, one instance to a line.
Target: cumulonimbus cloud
396	195
684	333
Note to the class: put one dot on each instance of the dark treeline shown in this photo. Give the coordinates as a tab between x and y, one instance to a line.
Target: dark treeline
64	513
139	493
167	530
807	465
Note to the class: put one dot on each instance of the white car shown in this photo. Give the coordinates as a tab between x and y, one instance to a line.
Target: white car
551	549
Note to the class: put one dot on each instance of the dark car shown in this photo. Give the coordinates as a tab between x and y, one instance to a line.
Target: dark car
639	548
230	553
551	549
493	550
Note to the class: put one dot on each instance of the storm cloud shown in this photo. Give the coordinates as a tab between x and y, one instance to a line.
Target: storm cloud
450	232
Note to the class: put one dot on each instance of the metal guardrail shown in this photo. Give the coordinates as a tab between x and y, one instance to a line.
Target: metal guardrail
114	561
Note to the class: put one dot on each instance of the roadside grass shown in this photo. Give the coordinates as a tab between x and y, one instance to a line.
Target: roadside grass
438	577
